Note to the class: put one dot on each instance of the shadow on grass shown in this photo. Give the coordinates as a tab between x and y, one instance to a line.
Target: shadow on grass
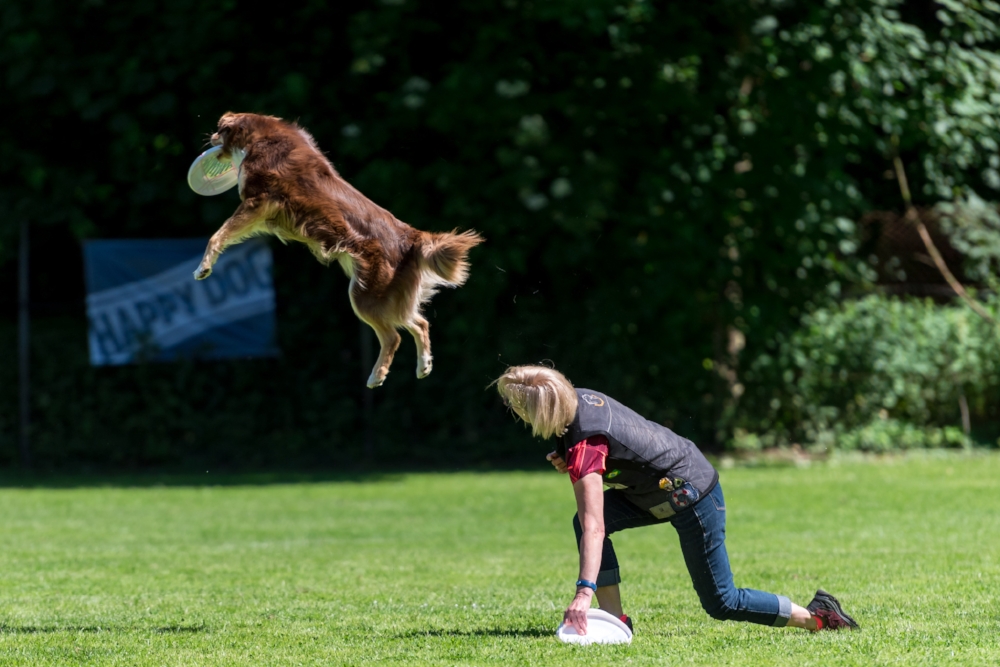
180	629
362	474
35	630
482	632
10	480
92	629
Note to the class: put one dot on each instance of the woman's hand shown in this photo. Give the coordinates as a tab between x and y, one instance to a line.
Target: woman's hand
557	462
576	613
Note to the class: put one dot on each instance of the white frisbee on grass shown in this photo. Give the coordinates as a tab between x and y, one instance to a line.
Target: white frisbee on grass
212	174
602	628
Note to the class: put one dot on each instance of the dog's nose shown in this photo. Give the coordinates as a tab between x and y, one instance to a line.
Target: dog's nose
216	139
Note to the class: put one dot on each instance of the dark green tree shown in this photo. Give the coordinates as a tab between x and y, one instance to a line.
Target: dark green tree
665	188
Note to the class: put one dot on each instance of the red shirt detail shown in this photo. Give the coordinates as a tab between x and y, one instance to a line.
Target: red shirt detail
587	456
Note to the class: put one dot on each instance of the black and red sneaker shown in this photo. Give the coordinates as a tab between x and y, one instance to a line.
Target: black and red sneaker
829	614
627	621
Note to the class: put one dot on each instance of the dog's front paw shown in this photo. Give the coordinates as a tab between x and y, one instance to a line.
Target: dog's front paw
424	368
202	272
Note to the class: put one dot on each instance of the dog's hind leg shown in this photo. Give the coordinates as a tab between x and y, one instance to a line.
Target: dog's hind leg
389	341
233	230
420	329
374	311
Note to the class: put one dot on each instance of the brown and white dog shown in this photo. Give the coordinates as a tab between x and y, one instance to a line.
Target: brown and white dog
289	189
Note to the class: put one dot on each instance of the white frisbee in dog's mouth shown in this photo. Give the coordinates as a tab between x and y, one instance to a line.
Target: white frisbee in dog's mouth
211	173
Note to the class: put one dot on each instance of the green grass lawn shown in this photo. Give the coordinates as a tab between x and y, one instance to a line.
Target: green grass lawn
473	568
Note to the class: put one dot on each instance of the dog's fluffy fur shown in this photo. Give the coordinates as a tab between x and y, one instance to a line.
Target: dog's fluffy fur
289	189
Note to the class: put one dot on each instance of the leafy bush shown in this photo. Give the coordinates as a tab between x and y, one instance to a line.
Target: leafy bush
874	374
973	228
881	435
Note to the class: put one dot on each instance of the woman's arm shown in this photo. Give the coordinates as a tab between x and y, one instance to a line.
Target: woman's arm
589	492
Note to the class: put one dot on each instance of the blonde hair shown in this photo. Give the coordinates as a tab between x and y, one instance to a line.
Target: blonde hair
542	396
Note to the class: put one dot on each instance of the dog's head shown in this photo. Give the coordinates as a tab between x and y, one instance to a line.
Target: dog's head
237	130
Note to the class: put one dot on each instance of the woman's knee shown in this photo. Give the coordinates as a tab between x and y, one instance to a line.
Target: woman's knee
721	606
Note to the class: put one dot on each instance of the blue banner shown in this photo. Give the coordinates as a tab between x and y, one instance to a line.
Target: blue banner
143	303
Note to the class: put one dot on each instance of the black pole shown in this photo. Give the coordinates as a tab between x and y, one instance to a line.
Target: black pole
24	350
368	395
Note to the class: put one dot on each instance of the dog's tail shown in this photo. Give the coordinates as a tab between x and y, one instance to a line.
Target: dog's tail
445	254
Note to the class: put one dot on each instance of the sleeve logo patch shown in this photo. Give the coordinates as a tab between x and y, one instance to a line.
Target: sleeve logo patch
596	401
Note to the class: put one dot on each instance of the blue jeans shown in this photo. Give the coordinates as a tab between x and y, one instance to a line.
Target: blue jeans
702	532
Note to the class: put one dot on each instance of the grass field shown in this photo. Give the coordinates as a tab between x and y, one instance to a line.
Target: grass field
472	568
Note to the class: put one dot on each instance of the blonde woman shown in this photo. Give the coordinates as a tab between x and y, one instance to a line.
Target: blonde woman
655	476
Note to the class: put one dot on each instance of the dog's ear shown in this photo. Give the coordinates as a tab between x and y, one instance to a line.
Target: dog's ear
227	120
234	130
